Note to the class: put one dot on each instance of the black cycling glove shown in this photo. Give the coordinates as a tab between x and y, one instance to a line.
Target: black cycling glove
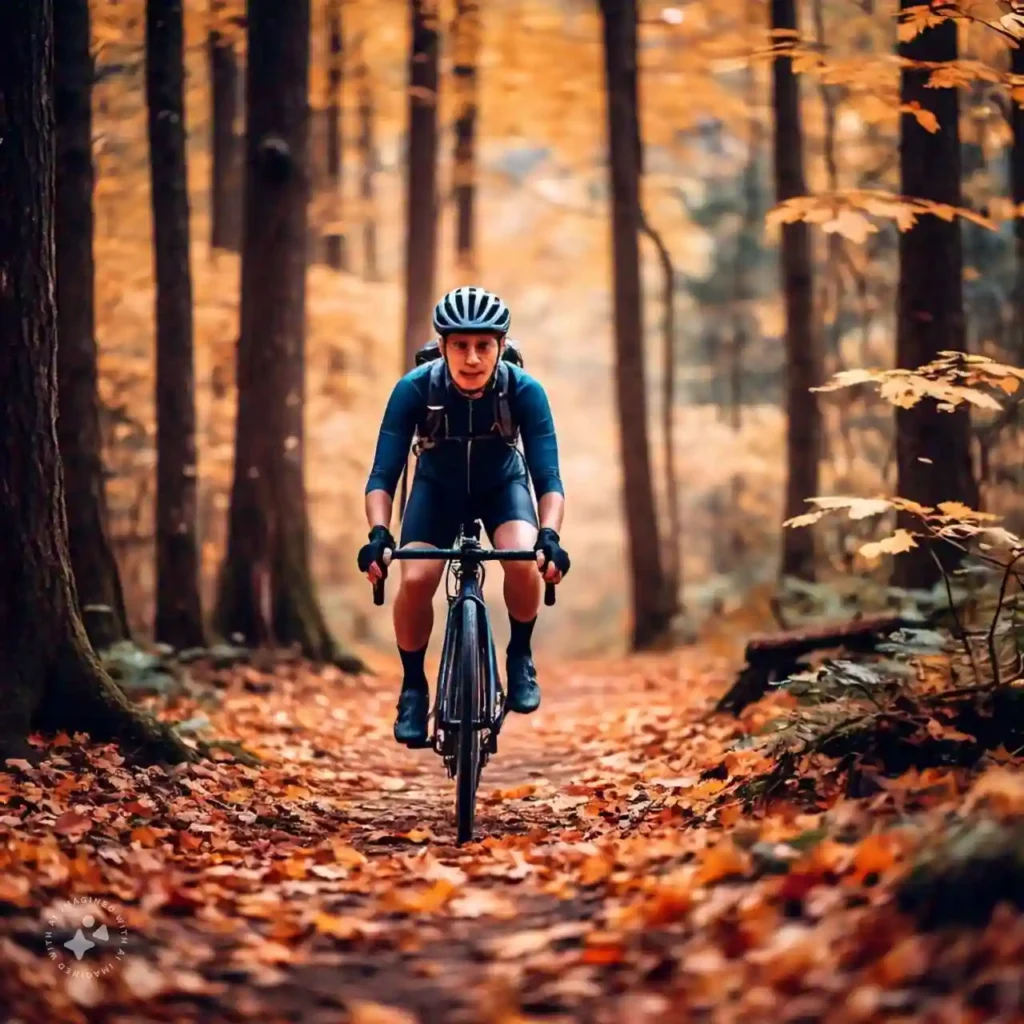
547	544
380	540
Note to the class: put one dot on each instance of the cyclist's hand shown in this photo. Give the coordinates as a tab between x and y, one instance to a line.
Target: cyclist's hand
552	559
373	557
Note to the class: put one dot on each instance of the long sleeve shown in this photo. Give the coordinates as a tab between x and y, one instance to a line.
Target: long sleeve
540	443
396	430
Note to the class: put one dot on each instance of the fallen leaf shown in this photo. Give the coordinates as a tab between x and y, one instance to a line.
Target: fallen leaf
71	823
378	1013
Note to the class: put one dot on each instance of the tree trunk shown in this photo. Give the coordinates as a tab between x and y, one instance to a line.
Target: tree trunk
266	593
466	36
652	600
225	143
1017	189
745	328
930	316
179	620
334	240
78	423
50	678
368	160
673	528
421	177
803	361
832	289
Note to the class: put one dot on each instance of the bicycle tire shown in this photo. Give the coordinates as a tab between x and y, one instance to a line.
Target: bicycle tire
467	771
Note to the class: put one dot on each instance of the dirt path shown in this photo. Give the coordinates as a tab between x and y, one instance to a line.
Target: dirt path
476	931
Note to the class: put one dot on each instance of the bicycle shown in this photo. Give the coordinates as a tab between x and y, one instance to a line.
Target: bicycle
468	683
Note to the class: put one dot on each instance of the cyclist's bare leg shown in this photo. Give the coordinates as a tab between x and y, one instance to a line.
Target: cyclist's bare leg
414	619
522	580
414	605
522	598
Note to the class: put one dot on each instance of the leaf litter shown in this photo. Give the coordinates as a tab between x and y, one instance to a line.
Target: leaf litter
621	873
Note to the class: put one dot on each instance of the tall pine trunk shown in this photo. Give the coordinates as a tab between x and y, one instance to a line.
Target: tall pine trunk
1017	190
368	164
50	678
78	423
466	35
225	143
803	359
266	593
179	619
652	600
334	241
421	176
932	447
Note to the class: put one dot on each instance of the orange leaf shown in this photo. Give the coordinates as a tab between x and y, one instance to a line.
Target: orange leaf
874	855
71	823
722	861
595	869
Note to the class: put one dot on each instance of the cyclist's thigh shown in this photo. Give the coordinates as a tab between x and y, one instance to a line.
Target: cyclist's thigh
430	520
509	515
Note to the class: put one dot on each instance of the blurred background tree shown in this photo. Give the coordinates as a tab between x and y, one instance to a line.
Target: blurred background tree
453	141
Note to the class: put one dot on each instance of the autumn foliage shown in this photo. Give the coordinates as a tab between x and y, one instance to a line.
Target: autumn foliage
842	842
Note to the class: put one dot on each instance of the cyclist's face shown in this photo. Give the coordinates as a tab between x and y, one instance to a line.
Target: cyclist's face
472	358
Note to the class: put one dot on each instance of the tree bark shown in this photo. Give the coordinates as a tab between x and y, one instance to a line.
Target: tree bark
266	592
368	161
334	241
421	176
803	359
179	619
652	601
225	143
466	36
930	316
50	678
1017	190
78	423
673	529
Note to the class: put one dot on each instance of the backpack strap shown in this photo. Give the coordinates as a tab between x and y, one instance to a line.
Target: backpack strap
503	421
435	424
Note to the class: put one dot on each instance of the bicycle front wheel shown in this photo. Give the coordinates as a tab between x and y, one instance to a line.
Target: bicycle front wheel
470	684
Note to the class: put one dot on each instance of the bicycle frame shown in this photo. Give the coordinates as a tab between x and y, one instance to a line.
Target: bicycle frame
489	707
467	557
465	754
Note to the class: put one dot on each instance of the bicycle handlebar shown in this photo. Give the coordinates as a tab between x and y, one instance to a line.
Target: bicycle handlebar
463	554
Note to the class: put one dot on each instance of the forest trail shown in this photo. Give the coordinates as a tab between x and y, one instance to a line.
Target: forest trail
616	878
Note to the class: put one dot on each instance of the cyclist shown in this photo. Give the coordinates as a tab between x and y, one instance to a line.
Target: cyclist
467	465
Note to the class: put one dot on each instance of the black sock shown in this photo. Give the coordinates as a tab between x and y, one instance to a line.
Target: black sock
415	678
519	638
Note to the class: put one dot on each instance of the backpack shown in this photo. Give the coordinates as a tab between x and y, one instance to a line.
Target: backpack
434	427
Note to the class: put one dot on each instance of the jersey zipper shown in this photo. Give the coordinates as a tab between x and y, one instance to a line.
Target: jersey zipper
469	448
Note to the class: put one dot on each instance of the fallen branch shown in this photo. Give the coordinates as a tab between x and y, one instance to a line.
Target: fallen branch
774	656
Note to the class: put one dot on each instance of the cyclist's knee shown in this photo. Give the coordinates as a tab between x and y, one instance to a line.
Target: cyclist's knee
420	579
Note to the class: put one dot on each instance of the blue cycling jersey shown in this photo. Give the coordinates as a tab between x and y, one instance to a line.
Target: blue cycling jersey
472	457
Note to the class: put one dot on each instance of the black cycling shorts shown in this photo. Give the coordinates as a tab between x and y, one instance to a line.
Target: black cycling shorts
433	512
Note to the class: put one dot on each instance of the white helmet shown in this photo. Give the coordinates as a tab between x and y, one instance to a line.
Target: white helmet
471	309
